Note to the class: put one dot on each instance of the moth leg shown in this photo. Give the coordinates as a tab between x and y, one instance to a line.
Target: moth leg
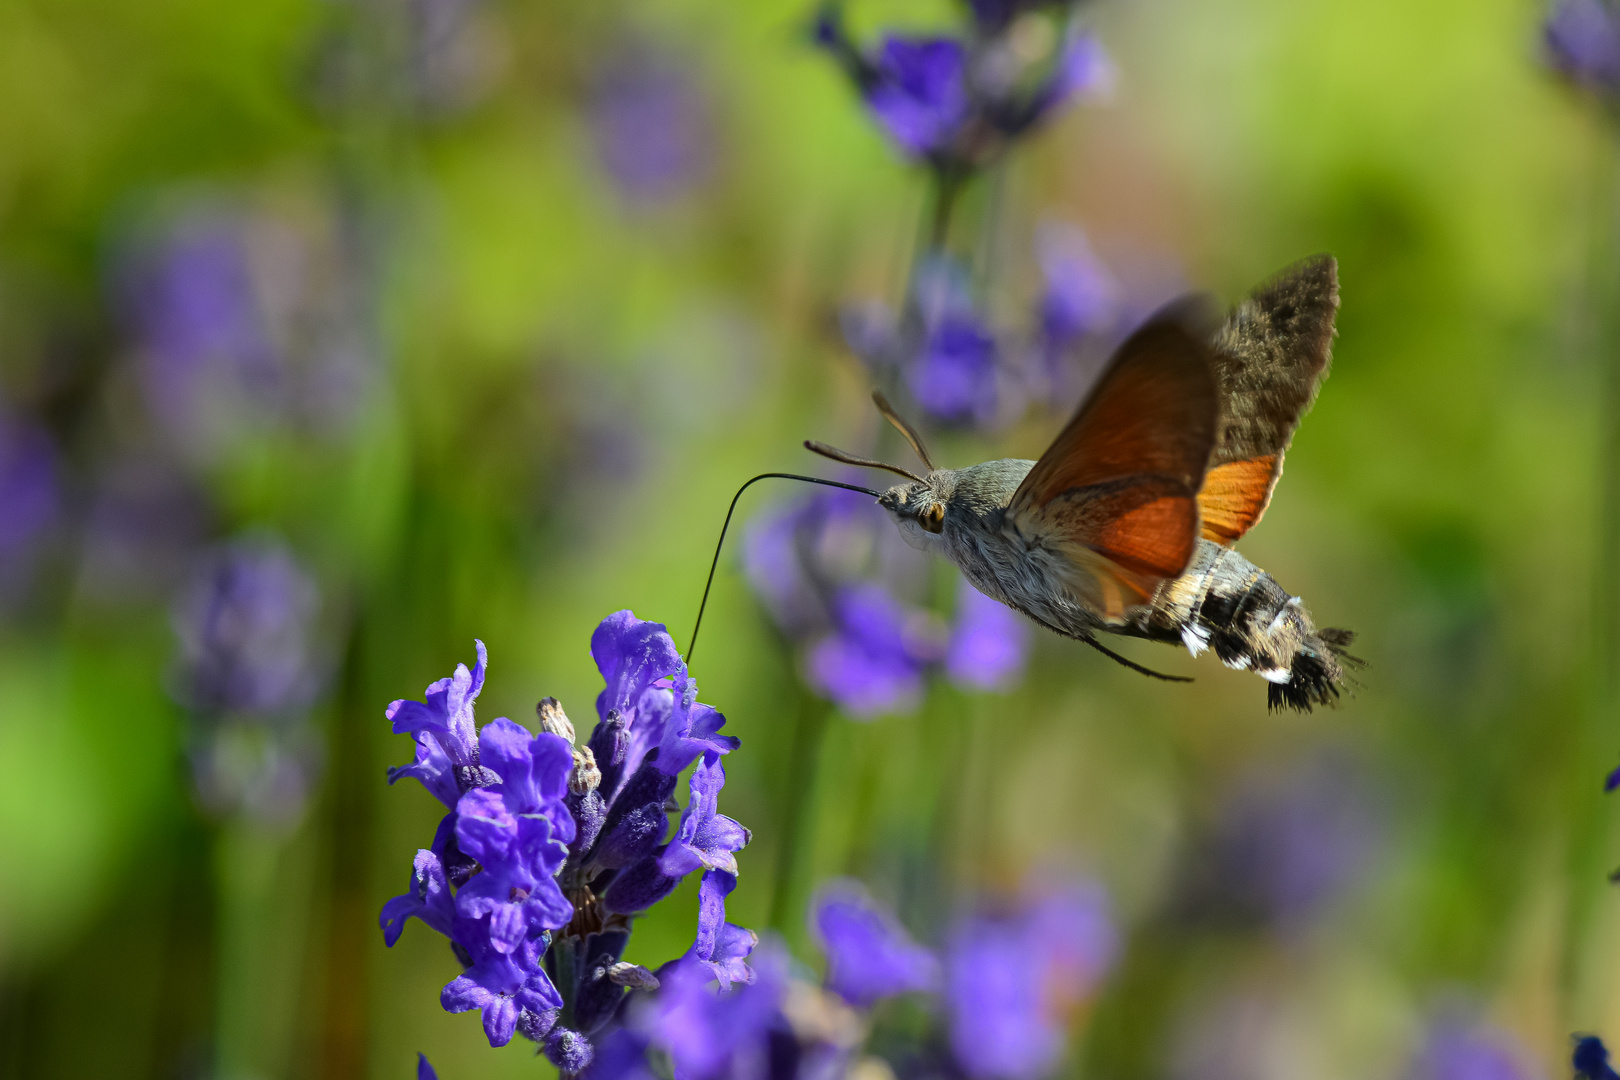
1132	664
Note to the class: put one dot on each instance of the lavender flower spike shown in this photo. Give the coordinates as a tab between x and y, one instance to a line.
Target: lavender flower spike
424	1071
445	732
869	955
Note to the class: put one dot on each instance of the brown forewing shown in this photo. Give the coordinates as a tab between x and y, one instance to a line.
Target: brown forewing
1270	359
1121	480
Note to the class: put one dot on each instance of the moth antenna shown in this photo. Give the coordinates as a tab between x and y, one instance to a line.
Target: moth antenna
904	428
1132	664
697	624
850	459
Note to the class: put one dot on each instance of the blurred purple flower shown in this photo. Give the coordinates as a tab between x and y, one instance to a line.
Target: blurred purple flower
1082	68
865	650
208	363
954	369
1456	1051
1591	1059
1612	781
424	1071
870	664
30	492
989	642
957	102
650	124
1288	844
869	955
1582	39
243	323
245	625
954	376
711	1034
1081	296
1013	978
794	555
917	90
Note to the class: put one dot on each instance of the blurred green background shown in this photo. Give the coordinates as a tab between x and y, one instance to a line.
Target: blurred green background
557	383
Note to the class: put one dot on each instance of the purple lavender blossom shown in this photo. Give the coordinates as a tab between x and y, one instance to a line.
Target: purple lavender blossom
989	642
1455	1051
428	898
918	91
518	831
245	625
1591	1059
706	837
446	737
1013	978
869	664
650	124
30	491
424	1071
720	946
1612	781
500	985
1582	39
869	955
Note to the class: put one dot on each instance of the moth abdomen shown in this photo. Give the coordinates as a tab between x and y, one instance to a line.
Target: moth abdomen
1226	604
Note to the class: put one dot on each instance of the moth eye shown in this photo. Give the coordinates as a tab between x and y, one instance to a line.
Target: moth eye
933	519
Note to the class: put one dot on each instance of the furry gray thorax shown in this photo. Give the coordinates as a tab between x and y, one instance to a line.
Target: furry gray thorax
1221	602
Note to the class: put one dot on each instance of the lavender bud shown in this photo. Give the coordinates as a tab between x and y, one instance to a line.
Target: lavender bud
638	888
634	976
589	813
469	777
633	836
536	1026
586	776
570	1051
553	719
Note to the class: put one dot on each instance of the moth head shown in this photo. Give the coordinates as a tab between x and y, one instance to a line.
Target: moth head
919	509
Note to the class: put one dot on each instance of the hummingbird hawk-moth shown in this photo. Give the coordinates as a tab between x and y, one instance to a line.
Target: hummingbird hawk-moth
1125	525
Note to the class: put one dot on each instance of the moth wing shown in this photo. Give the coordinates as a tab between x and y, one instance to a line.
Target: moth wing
1270	358
1115	496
